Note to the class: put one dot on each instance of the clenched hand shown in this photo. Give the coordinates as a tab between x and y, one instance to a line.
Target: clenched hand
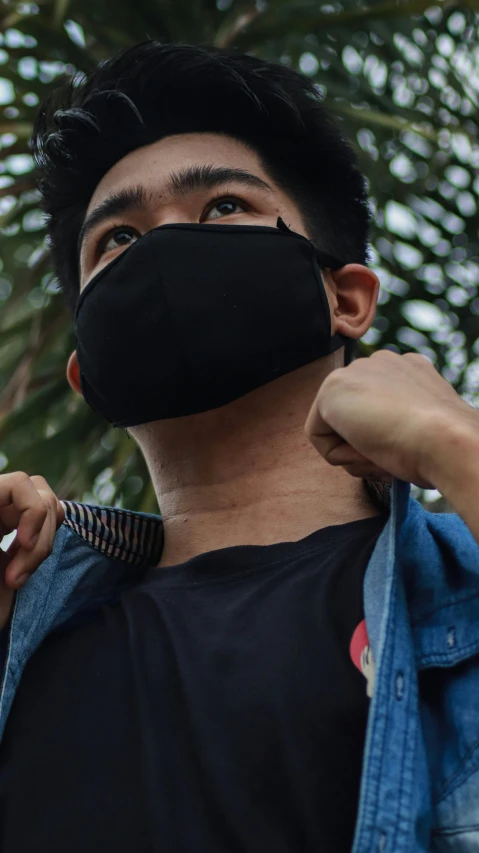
28	505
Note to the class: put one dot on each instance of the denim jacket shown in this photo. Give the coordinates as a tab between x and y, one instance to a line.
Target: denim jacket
420	779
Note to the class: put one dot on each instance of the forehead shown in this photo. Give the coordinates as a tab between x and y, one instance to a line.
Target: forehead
154	163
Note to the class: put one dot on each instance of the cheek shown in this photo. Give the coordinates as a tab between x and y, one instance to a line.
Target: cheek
87	273
327	289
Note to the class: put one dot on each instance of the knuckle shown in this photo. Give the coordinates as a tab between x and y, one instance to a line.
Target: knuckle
415	356
384	354
49	500
40	481
41	513
19	477
330	381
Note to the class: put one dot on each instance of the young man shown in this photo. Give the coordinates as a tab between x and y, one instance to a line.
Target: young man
212	680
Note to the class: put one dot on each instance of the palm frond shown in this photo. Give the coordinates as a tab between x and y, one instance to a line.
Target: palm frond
401	77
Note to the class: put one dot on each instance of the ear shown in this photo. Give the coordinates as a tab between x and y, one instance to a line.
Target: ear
73	373
353	294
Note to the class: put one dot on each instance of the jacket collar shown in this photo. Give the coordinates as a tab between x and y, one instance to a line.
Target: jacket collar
134	537
137	537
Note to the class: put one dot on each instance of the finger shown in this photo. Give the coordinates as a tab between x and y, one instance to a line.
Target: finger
42	486
6	594
368	471
5	529
321	435
364	472
359	466
29	510
330	446
10	552
336	451
343	454
355	463
315	425
24	561
6	558
48	501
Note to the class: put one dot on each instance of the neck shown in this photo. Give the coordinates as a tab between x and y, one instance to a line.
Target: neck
246	473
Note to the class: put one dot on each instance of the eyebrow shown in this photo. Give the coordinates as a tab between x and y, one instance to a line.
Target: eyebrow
180	183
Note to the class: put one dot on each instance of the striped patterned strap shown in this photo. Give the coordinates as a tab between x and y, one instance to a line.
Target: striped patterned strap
118	533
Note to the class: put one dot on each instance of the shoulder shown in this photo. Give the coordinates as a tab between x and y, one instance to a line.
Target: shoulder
439	561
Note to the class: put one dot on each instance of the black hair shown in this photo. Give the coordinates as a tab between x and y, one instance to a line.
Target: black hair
154	90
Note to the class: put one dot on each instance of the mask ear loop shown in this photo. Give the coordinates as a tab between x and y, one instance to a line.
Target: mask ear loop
325	260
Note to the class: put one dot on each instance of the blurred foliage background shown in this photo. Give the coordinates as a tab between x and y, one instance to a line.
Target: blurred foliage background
402	77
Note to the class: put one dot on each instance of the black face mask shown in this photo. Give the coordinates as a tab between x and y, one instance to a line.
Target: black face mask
191	317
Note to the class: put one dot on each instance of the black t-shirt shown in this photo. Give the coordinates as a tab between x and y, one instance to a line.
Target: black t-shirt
215	708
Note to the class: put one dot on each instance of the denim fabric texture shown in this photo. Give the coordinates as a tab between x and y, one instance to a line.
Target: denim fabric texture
420	780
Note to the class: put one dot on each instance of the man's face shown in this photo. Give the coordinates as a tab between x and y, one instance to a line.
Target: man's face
190	178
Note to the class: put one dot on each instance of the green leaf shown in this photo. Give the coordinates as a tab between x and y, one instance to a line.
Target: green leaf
48	429
22	129
60	10
304	18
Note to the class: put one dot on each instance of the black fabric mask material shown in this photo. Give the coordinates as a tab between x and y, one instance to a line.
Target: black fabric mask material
191	317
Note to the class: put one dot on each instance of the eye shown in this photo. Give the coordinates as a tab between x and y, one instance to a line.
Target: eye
224	207
122	235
